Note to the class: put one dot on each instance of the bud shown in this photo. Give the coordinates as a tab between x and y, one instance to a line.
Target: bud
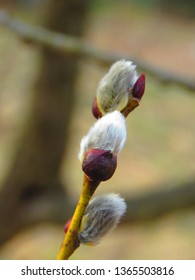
108	133
67	225
139	87
99	165
115	88
95	110
101	216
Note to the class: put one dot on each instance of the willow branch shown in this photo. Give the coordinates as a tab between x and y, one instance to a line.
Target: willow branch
70	45
71	242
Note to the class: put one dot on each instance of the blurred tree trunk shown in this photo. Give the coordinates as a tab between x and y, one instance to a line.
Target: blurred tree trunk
32	191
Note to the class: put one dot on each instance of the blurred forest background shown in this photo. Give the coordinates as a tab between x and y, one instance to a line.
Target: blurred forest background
47	86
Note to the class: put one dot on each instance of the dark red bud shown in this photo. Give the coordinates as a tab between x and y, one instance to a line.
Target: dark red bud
95	110
99	165
67	225
139	87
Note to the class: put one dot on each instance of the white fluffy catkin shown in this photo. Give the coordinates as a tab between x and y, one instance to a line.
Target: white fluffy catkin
101	216
114	88
108	133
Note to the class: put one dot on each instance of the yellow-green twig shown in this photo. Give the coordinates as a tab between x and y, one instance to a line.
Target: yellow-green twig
71	242
130	107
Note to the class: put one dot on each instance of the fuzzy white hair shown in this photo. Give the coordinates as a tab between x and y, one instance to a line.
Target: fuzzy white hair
101	216
114	87
108	133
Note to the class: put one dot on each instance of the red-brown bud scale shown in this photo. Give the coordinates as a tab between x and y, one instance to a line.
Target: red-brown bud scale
67	225
95	110
99	165
139	87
